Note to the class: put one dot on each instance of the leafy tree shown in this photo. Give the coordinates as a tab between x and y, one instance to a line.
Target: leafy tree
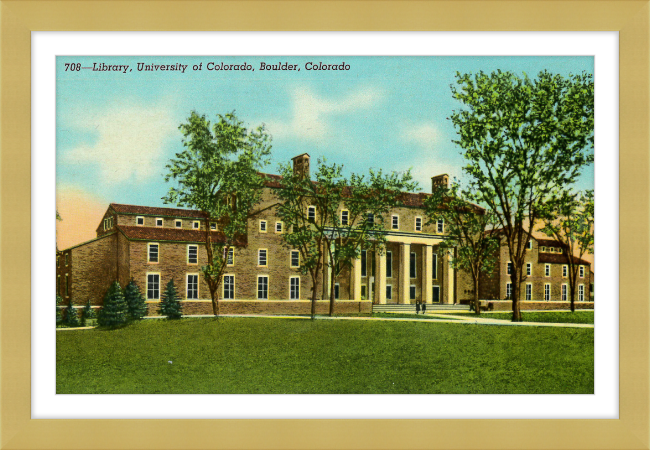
135	301
170	305
115	311
218	173
525	142
71	316
571	222
88	314
470	230
324	240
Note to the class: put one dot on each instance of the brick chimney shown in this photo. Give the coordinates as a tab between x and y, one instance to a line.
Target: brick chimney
439	181
301	165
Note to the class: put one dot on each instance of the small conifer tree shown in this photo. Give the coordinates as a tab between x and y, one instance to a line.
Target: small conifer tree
88	314
115	311
71	317
135	301
170	306
59	313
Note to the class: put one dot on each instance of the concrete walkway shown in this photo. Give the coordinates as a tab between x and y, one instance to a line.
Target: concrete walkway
468	319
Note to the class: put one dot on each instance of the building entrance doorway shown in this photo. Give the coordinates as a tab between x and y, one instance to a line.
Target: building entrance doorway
435	297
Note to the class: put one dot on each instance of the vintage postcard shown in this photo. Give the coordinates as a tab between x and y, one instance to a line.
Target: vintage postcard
325	225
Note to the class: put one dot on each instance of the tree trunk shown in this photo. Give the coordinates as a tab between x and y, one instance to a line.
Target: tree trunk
573	299
477	303
314	287
516	291
332	299
215	301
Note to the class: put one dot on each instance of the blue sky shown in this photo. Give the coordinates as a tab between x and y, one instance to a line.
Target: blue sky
116	131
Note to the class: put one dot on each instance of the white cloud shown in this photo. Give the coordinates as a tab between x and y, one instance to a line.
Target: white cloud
424	135
310	112
129	143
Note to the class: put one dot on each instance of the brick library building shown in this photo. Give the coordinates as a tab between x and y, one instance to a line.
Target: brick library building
152	245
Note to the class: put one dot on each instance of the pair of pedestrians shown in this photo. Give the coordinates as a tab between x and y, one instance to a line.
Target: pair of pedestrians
420	306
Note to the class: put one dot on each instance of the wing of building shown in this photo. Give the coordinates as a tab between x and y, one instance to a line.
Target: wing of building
153	245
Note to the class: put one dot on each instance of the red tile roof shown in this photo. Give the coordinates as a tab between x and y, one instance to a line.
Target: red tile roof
560	259
407	198
550	243
173	234
155	211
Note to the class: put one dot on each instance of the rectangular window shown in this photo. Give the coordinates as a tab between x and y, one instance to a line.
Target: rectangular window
547	270
262	287
230	259
543	249
311	213
196	225
153	253
65	257
395	222
345	217
509	268
294	288
371	219
364	263
434	266
564	292
547	292
262	226
58	261
582	271
295	258
67	285
529	245
192	286
228	287
213	226
364	290
508	291
337	290
139	220
159	222
389	264
441	225
278	227
105	222
529	291
418	224
565	271
412	268
58	284
389	292
192	254
412	292
178	223
153	286
261	257
529	269
581	293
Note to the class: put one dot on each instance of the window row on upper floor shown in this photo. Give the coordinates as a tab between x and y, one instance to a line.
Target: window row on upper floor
564	291
547	270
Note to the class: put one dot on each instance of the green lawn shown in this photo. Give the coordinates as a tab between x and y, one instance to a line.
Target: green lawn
409	316
260	355
549	317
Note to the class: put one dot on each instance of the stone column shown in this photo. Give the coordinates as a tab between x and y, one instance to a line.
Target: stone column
427	274
450	278
356	279
380	278
404	274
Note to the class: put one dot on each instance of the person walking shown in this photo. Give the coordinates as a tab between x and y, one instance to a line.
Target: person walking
424	308
417	307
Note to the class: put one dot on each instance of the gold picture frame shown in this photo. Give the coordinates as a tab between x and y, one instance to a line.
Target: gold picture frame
629	18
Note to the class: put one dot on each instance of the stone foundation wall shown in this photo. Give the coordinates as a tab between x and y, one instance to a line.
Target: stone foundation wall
506	305
270	307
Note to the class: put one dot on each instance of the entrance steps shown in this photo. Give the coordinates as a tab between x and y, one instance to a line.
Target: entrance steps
394	307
